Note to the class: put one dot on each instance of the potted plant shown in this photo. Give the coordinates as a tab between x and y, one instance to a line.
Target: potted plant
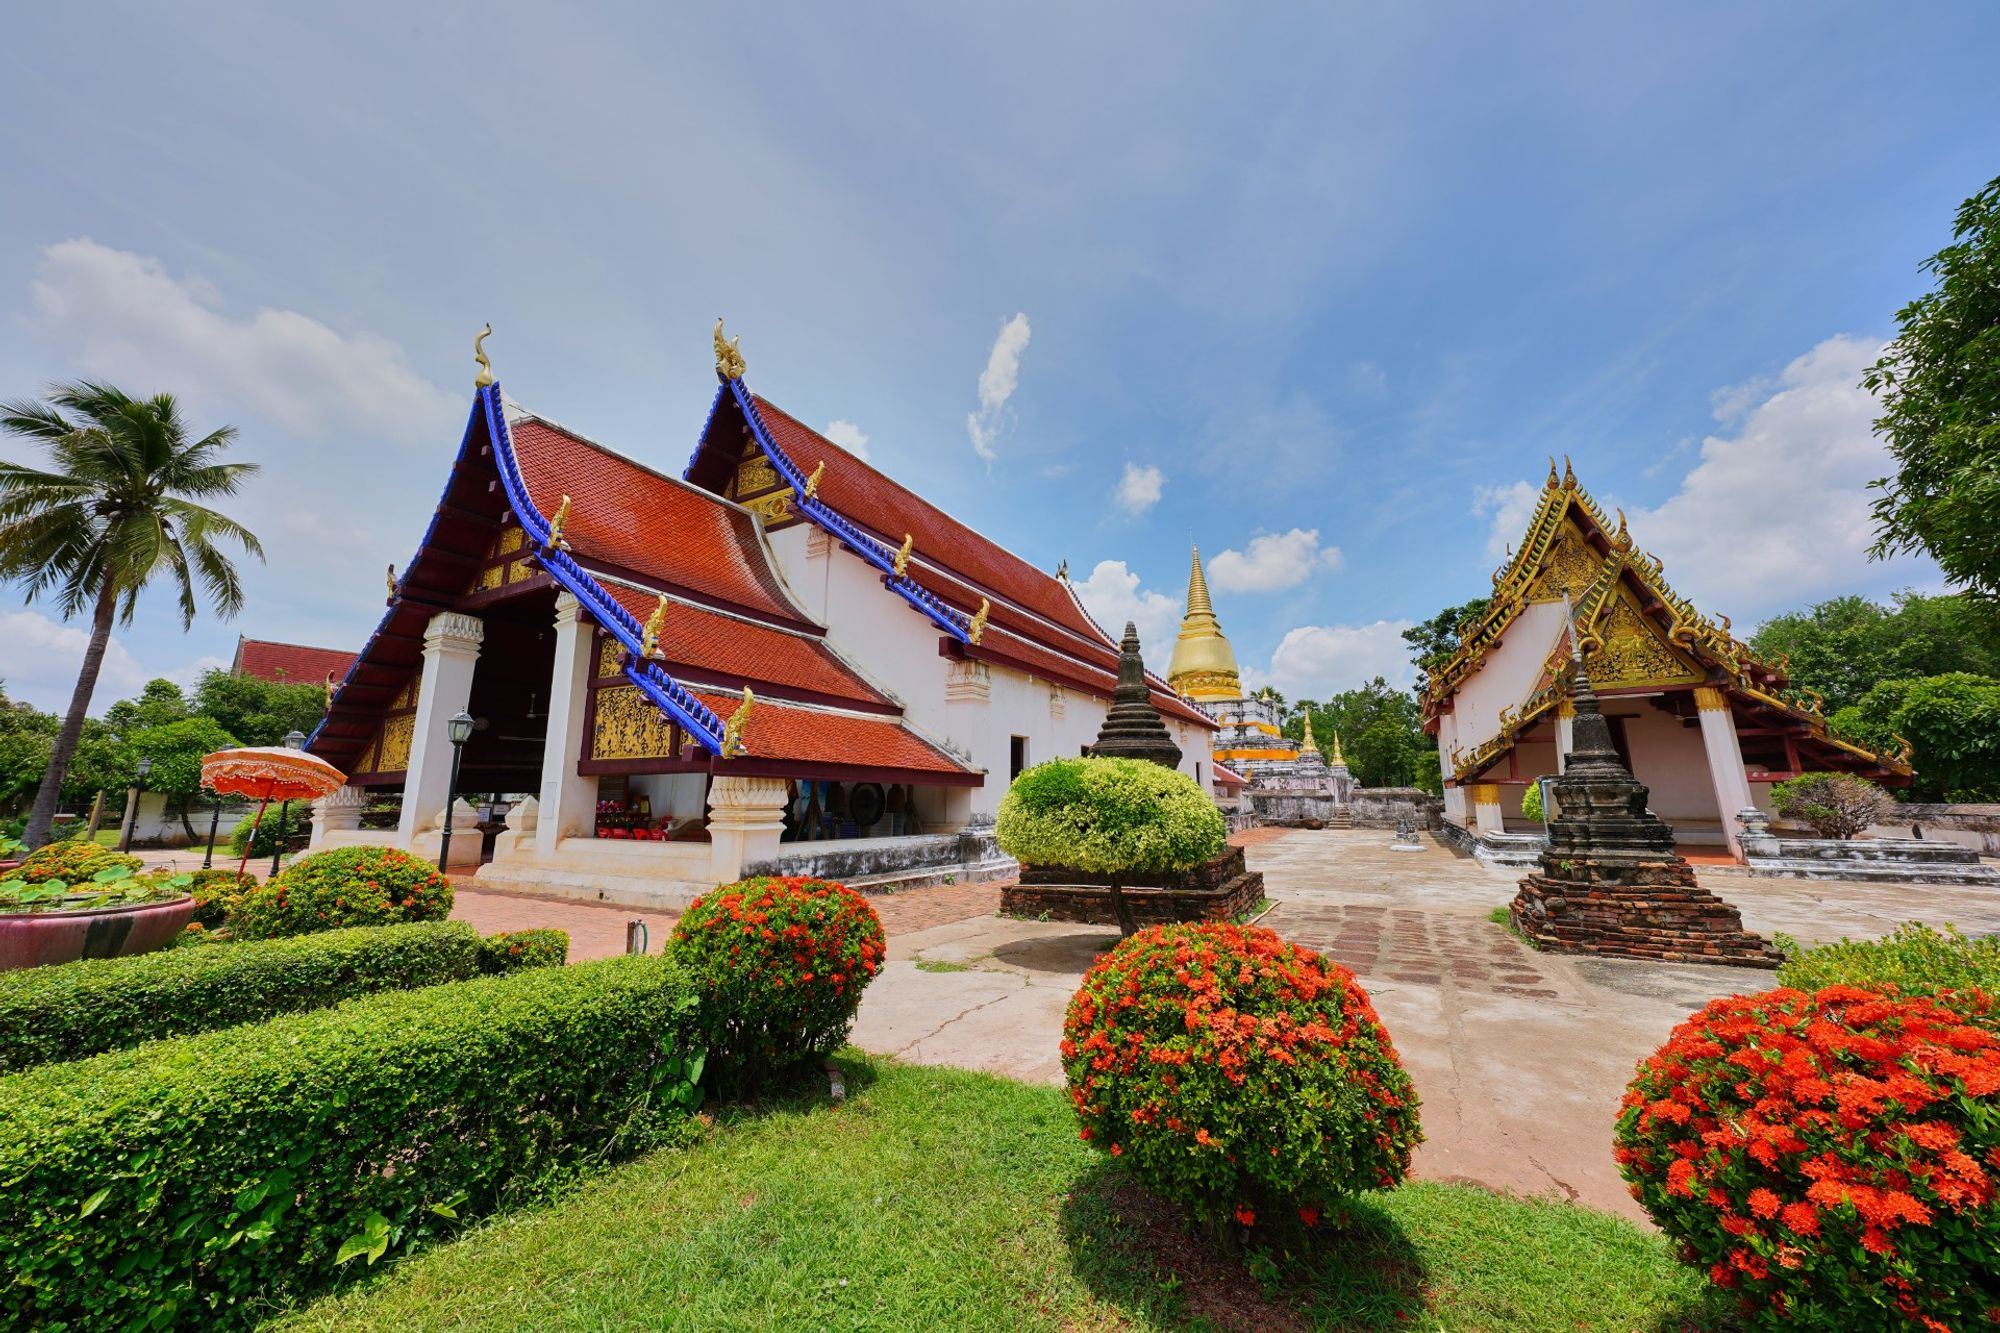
113	913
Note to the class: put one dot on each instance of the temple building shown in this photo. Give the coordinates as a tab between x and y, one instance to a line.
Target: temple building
1695	716
781	659
289	663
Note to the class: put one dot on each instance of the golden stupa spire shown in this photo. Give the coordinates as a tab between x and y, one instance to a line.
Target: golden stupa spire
1339	760
1203	664
1311	746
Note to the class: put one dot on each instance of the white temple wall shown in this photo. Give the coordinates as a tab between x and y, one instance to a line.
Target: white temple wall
1506	677
896	647
1673	763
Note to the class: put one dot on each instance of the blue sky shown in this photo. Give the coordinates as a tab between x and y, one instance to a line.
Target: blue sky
1319	289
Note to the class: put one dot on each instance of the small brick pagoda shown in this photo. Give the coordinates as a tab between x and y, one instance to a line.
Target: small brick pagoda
1217	890
1611	883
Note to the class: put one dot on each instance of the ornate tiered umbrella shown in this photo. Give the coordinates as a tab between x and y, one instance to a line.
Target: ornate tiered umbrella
268	772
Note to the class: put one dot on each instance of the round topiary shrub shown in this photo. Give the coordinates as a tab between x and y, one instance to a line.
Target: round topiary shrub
1112	817
1830	1157
780	965
1237	1074
347	886
72	862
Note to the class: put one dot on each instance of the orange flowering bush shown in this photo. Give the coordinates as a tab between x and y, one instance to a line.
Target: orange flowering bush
347	886
780	965
1830	1156
1237	1074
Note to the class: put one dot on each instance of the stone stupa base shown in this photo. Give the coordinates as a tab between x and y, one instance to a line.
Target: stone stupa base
1635	909
1219	890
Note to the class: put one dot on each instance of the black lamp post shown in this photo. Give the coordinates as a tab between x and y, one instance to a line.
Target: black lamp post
144	766
459	728
214	821
294	740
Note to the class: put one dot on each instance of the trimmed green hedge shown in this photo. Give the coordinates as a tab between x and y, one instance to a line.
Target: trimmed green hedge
1914	960
83	1008
197	1182
512	950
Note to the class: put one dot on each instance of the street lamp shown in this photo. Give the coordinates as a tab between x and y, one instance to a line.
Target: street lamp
459	728
144	766
214	821
294	740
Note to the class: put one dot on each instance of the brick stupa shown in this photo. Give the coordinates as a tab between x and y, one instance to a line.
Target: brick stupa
1133	729
1611	883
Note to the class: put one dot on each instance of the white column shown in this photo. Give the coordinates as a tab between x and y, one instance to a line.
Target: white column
745	818
568	805
1565	732
1486	812
451	650
338	811
1725	763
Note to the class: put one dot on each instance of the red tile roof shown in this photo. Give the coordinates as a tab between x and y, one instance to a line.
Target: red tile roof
813	735
626	516
290	663
697	643
962	567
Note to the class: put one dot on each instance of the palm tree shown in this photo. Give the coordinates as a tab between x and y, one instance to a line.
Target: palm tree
117	508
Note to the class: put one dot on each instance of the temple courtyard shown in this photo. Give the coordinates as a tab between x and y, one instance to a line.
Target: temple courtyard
1520	1056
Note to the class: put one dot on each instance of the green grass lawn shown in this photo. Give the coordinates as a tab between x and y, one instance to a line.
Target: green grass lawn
942	1200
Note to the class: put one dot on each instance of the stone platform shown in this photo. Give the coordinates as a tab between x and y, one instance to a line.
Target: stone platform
1651	910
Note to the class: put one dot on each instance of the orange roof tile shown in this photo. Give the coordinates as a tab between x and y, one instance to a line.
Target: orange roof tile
290	663
694	640
812	735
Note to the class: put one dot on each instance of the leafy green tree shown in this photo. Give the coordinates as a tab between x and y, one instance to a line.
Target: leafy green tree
259	712
176	749
1952	722
1379	731
1434	641
1844	646
117	509
1940	387
159	703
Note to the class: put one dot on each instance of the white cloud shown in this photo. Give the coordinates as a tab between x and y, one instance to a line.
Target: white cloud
996	385
849	437
124	317
1139	488
1511	507
1317	661
1112	596
1273	560
39	659
1777	514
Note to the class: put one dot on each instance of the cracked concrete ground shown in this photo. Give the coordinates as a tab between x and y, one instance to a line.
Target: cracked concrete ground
1520	1057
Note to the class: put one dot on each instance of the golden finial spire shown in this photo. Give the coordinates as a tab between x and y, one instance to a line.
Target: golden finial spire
1203	665
556	526
1555	482
1569	474
649	643
1310	746
1197	599
903	555
728	355
1339	760
485	375
975	628
812	482
732	731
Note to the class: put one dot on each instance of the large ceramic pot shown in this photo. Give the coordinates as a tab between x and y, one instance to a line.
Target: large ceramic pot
31	939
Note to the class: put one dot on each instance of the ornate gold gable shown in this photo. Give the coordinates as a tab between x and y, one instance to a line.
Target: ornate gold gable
1572	567
758	488
629	726
1634	652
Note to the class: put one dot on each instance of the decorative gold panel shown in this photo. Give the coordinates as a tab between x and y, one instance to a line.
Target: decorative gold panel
610	656
773	508
628	726
489	578
407	698
1573	567
520	569
1634	652
511	540
397	732
755	474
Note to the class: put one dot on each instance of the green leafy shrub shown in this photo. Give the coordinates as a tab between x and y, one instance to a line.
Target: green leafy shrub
73	862
780	965
512	950
1531	801
1237	1074
347	886
263	842
82	1008
216	893
194	1183
1833	805
1830	1157
1914	960
1112	817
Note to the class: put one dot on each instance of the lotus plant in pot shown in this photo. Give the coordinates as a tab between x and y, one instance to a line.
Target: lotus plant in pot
109	912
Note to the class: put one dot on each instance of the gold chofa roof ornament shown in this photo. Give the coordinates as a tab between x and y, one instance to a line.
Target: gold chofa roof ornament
649	642
728	356
1203	665
901	565
975	628
739	722
556	526
485	375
